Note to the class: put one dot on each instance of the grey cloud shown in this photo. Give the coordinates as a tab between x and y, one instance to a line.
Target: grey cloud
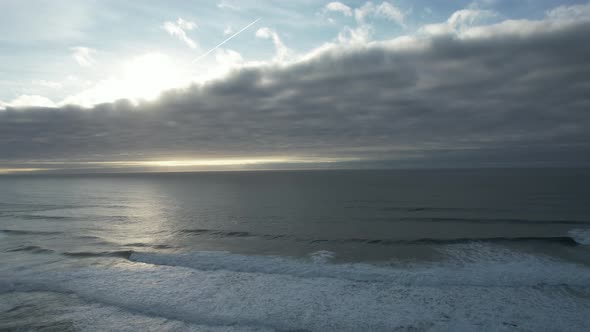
501	99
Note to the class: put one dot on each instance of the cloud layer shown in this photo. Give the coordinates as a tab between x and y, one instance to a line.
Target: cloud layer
505	94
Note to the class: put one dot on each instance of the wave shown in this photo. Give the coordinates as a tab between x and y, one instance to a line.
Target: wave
27	232
31	208
146	245
31	249
564	240
581	236
322	256
496	220
63	311
377	207
92	254
42	217
90	237
223	233
76	254
474	264
480	286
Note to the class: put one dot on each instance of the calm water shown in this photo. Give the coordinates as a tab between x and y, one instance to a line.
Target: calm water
319	251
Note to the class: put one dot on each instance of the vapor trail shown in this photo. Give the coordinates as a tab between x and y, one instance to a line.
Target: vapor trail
225	41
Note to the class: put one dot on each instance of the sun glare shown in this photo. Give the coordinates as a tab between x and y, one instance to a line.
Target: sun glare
213	162
20	170
144	77
221	162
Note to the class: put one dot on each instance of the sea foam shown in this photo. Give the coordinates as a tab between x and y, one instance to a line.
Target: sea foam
478	287
581	235
473	264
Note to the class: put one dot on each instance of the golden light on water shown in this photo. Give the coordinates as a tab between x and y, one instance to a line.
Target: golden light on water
21	170
224	162
181	164
209	162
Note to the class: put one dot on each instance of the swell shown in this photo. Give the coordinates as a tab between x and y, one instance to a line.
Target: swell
113	218
563	240
230	234
420	208
42	217
31	249
76	254
496	221
146	245
91	254
24	232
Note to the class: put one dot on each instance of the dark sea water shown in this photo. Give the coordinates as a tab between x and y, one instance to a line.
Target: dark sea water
440	250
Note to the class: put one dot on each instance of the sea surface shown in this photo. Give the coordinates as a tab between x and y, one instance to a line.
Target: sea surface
400	250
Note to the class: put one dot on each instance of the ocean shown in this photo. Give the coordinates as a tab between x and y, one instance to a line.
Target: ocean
397	250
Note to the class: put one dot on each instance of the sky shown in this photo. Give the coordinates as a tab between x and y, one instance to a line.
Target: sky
101	86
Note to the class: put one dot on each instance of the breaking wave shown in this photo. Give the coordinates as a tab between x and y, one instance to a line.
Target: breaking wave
581	236
466	264
478	286
571	240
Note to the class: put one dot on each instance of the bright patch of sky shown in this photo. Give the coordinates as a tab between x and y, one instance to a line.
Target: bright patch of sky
87	52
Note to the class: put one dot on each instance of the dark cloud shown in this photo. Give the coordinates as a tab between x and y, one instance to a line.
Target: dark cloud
495	98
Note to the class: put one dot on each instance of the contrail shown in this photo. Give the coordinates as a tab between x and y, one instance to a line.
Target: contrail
225	41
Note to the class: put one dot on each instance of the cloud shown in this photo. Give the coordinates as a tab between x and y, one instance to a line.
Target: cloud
390	12
83	55
503	94
228	58
362	12
355	36
282	51
575	12
460	21
384	10
25	101
339	7
228	30
363	32
467	17
223	4
48	84
178	29
478	4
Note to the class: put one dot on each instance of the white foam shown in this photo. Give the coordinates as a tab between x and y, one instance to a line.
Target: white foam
322	256
507	290
580	235
468	264
53	311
